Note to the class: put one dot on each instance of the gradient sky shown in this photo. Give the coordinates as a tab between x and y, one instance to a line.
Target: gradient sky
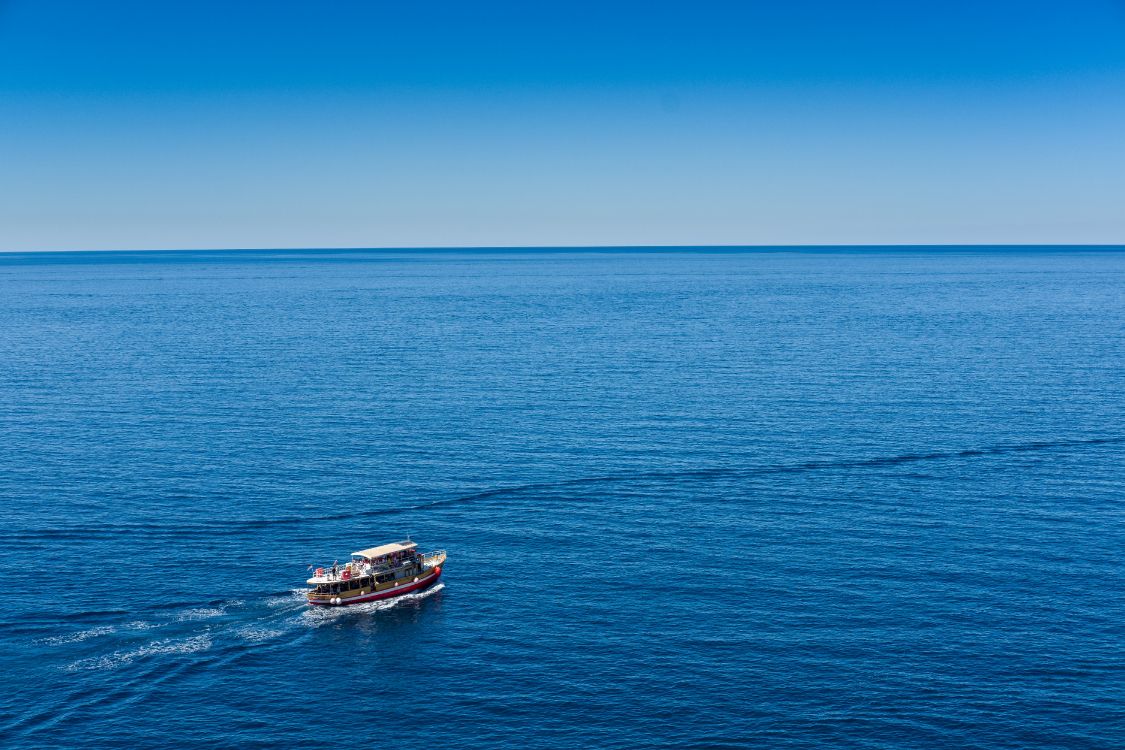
403	123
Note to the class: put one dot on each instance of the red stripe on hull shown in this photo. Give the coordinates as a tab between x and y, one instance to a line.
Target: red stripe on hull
410	588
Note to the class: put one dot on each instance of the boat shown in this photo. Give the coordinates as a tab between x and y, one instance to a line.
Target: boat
382	572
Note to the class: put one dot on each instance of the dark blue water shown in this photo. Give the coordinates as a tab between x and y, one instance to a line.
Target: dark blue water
859	499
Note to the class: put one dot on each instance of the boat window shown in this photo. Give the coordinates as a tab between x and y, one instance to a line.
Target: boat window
353	585
335	589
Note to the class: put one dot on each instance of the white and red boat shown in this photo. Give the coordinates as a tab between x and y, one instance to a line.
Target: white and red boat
381	572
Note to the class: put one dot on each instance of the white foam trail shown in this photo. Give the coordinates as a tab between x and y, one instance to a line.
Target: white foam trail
259	635
317	616
82	635
156	648
201	613
296	596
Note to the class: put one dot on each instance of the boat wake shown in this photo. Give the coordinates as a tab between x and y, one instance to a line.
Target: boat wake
201	613
238	527
156	648
232	626
77	637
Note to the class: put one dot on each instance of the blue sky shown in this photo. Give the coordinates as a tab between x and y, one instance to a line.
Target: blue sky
365	124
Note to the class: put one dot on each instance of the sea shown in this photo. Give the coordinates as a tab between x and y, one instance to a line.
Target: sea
691	497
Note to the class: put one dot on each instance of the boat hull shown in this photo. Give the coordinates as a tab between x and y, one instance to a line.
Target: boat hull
407	588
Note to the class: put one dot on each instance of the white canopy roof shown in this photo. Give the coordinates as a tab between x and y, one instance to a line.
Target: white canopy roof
384	549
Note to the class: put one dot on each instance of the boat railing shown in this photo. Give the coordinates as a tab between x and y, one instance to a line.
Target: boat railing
433	558
343	573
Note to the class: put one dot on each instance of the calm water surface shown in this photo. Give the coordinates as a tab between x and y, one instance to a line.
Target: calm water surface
860	499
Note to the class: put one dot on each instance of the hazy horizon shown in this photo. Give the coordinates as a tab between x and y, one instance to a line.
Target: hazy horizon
576	248
581	248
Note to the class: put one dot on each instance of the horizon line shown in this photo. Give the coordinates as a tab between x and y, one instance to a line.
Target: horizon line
577	247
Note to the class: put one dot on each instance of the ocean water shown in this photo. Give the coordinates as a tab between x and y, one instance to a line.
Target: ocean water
865	498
